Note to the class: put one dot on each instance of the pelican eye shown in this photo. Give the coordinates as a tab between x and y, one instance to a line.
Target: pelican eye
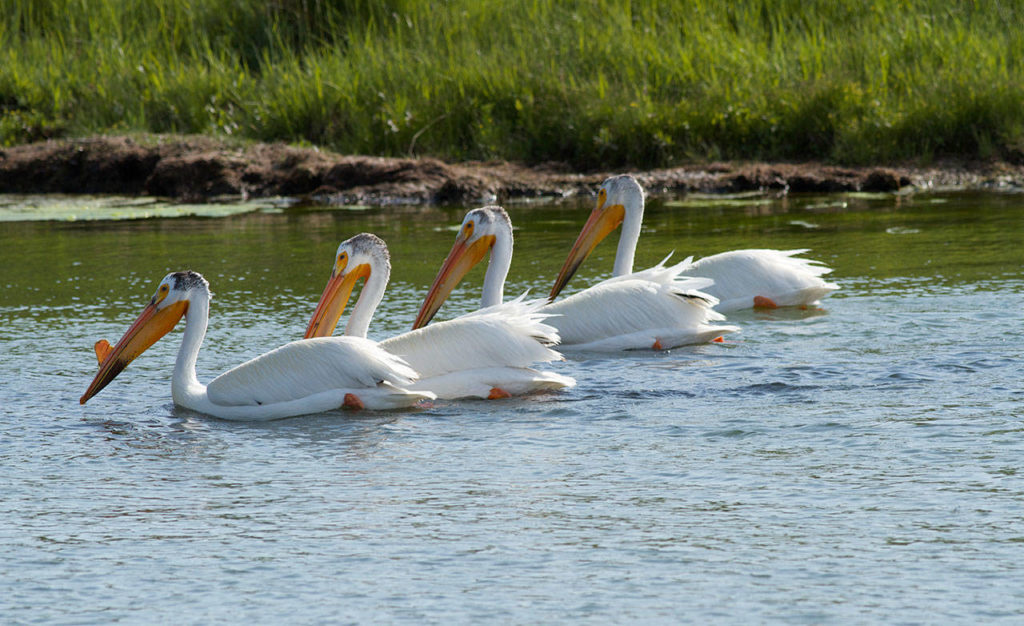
602	196
467	230
342	260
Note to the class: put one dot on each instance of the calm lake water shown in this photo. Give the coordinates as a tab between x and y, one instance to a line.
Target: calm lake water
857	463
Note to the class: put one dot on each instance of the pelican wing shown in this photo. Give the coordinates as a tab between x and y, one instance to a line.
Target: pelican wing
741	275
301	369
636	310
479	383
511	334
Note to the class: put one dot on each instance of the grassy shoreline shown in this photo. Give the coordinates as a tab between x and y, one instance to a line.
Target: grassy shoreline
593	84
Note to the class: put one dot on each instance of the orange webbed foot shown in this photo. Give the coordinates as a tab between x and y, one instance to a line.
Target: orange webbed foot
498	392
353	402
761	302
657	345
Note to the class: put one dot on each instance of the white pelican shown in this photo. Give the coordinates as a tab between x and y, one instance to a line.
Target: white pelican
485	354
653	309
742	278
308	376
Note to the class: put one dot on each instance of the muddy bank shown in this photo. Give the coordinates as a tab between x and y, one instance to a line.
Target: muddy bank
200	168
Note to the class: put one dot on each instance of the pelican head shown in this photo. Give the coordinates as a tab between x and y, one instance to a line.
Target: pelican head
168	305
357	257
619	198
481	230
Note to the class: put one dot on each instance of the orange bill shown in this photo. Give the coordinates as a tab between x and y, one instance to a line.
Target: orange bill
334	300
150	326
460	260
603	220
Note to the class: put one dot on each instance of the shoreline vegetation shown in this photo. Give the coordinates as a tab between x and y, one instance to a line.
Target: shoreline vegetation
478	98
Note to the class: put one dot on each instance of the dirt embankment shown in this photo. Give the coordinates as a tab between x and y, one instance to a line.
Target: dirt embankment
200	168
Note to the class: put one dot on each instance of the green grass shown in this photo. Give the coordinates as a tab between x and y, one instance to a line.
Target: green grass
594	83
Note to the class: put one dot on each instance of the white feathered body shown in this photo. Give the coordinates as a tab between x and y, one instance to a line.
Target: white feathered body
492	347
308	376
741	275
654	308
301	377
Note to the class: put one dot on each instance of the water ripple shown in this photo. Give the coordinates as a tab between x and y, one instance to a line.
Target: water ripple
856	463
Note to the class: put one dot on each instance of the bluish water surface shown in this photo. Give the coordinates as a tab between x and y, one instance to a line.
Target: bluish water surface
857	463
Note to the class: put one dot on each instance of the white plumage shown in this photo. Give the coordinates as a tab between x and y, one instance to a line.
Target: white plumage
512	334
304	368
486	353
742	278
654	309
309	376
479	352
776	276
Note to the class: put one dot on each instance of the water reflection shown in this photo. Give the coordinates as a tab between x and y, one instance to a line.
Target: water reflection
264	255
